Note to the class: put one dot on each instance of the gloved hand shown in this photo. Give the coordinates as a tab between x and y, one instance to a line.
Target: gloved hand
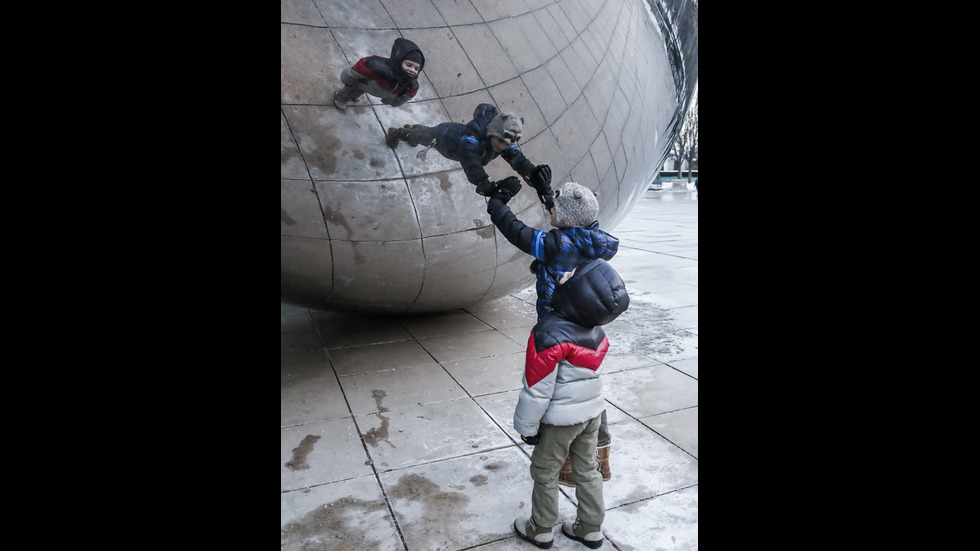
486	187
548	199
507	189
541	178
531	440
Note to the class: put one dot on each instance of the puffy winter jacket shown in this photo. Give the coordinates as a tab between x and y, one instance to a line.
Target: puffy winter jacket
566	348
469	144
558	250
384	77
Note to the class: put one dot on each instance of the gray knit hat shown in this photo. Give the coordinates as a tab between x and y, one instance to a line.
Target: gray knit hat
507	127
575	206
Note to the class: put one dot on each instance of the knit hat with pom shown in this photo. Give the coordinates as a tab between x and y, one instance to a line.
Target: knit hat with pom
575	206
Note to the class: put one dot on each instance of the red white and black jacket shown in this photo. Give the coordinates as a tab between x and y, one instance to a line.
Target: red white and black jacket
566	348
383	77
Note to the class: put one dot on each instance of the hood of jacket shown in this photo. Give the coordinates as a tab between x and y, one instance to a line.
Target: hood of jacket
399	49
594	295
482	115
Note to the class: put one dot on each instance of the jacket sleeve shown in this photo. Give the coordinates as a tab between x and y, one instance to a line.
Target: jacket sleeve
515	157
519	234
469	159
540	375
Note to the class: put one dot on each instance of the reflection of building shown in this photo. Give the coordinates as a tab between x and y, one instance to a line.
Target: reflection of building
670	168
670	164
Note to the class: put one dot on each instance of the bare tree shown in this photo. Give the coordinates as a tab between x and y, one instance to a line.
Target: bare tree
686	145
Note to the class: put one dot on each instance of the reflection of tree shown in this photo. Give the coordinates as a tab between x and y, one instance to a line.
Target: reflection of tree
686	145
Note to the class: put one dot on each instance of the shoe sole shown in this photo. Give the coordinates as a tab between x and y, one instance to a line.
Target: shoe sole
590	544
538	544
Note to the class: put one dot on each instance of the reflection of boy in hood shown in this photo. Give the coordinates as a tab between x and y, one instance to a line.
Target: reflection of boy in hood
394	79
559	408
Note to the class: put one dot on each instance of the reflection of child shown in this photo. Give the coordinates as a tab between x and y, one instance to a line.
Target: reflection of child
559	409
576	239
393	79
490	134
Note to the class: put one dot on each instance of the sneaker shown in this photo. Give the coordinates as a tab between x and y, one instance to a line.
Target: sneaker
533	533
574	530
392	138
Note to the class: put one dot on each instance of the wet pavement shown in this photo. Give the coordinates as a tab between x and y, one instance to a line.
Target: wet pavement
396	431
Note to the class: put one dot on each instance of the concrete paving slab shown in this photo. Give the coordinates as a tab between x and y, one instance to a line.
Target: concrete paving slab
310	400
379	357
351	514
460	503
399	388
669	521
453	428
688	366
679	427
319	453
650	390
469	345
480	376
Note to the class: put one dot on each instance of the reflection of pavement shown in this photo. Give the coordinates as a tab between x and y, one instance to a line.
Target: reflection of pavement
396	432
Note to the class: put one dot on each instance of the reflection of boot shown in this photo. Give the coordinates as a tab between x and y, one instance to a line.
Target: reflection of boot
394	136
604	461
565	474
345	95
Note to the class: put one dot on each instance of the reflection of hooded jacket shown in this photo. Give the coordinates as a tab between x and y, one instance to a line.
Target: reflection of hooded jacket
557	251
470	145
566	349
383	76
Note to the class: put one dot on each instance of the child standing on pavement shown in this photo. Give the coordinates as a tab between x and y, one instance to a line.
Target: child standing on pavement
394	79
577	238
560	405
490	134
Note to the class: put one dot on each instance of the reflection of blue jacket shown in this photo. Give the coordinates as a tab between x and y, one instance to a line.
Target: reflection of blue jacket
469	144
558	250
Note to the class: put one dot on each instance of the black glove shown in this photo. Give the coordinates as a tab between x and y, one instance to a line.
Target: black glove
541	181
506	189
541	178
531	440
486	187
548	199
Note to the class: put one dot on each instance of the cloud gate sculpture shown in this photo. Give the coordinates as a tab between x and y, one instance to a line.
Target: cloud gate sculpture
602	86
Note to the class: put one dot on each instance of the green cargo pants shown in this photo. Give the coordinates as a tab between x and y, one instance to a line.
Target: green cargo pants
556	443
